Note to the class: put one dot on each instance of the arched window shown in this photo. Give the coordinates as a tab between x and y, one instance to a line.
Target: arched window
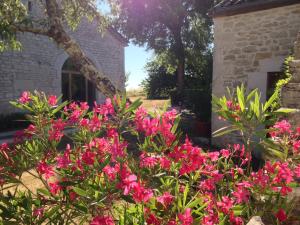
75	87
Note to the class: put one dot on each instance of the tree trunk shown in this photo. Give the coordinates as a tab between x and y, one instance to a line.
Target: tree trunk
180	74
82	63
180	53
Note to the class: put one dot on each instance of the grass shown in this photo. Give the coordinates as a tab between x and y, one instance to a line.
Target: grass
150	105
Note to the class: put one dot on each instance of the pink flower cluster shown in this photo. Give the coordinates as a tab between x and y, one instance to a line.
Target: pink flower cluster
167	180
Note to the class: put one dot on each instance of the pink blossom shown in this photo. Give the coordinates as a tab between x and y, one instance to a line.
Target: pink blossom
110	172
141	194
166	199
241	195
38	212
55	188
283	126
235	220
128	183
186	217
152	220
25	97
102	220
55	135
281	215
225	153
296	146
214	156
165	163
63	161
147	161
88	157
52	100
44	169
226	204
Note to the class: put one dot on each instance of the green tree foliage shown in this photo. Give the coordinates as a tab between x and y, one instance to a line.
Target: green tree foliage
175	29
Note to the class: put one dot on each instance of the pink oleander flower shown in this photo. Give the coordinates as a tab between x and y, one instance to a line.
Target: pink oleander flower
297	171
165	163
226	204
55	135
281	215
235	220
38	212
25	97
44	169
95	123
147	161
141	194
110	172
172	222
52	100
166	199
55	188
241	195
283	126
225	153
152	220
128	183
186	217
88	157
63	161
214	156
102	220
296	146
31	129
58	124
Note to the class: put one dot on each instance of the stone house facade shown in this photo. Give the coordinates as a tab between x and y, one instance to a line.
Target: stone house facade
42	65
251	41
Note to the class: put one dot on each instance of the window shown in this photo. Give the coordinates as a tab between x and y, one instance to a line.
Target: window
272	79
75	87
29	6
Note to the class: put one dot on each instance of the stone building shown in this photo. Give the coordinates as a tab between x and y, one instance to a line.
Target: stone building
251	40
42	65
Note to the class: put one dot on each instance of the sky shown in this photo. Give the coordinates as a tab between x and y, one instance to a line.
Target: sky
135	60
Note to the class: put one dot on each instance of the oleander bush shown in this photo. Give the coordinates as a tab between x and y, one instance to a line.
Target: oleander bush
96	179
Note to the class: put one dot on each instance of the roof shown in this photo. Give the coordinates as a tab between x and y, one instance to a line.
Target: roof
234	7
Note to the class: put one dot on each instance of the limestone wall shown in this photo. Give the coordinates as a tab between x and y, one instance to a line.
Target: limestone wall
38	66
248	46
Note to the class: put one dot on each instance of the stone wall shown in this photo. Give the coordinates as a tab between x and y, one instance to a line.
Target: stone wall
248	46
38	65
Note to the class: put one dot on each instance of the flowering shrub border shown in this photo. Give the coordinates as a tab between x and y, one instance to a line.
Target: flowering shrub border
97	179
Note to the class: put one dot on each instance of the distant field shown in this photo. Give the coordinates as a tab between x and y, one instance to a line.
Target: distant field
150	105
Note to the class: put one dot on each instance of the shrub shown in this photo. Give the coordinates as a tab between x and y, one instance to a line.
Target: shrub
97	180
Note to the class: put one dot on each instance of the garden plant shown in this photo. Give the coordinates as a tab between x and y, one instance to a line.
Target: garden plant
124	165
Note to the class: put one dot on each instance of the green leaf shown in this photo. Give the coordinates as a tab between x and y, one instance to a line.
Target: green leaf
58	108
44	192
225	130
241	97
134	105
270	101
175	126
285	110
185	194
80	191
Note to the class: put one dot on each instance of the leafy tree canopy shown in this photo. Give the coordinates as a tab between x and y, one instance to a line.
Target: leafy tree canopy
175	29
